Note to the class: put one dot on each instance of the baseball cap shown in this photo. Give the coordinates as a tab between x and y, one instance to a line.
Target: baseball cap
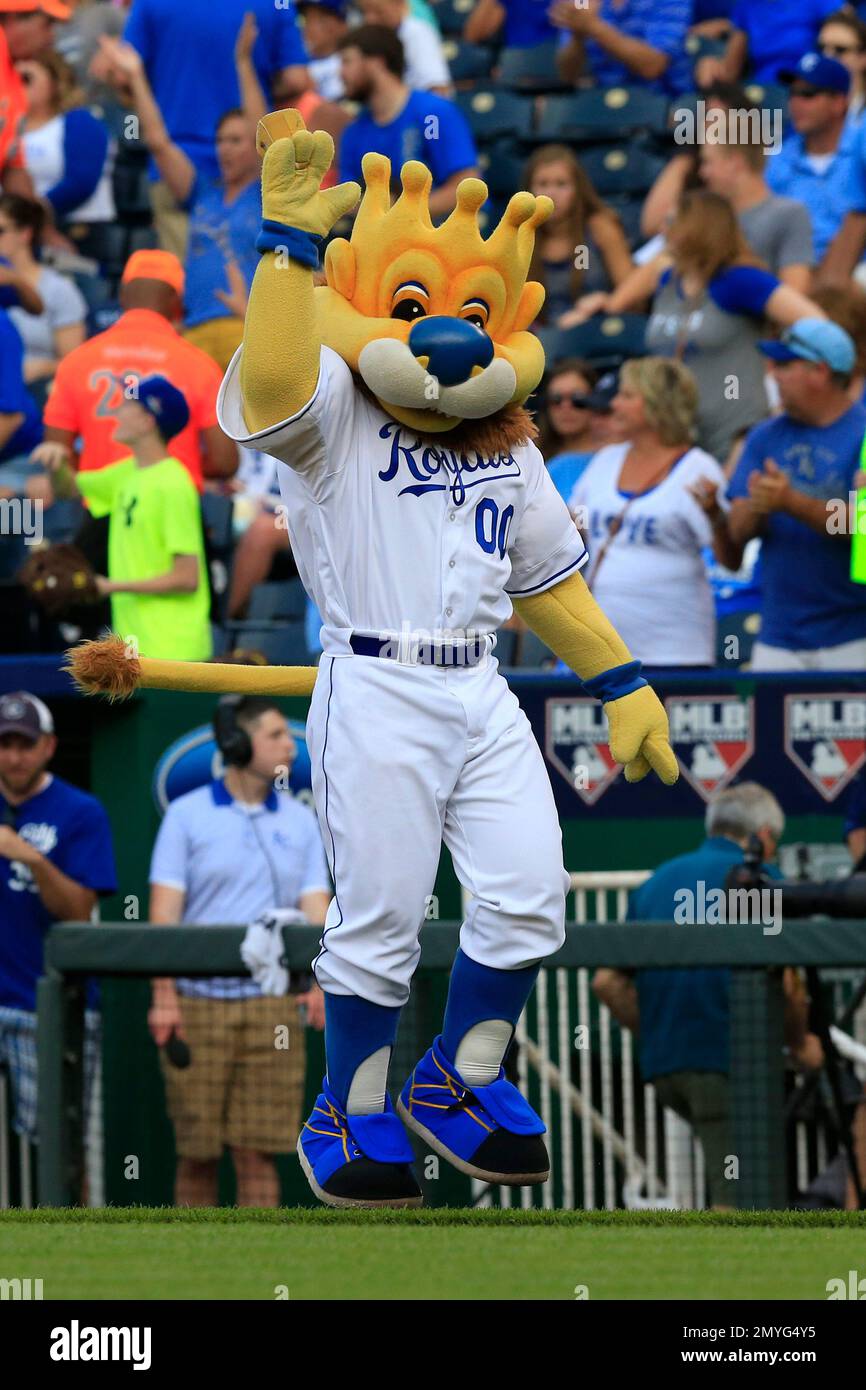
165	403
813	340
601	396
54	9
335	6
826	74
153	265
21	713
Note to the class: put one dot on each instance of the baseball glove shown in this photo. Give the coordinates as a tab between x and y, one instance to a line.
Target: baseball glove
59	578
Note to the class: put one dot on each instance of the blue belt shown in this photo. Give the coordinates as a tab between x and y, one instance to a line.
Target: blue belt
430	652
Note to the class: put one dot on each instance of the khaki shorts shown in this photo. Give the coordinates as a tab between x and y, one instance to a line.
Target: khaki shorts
219	338
241	1088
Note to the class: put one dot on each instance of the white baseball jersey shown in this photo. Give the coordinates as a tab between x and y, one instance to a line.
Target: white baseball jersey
389	535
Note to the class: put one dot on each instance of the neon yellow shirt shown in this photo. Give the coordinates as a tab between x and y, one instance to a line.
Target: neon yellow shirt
154	514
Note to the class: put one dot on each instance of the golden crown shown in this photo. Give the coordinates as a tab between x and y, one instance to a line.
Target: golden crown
384	230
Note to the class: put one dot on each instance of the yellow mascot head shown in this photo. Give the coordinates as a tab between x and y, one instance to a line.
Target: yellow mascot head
434	320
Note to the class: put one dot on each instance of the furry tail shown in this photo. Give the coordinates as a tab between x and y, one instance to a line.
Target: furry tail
110	667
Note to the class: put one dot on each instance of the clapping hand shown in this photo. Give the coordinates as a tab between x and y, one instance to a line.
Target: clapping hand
769	490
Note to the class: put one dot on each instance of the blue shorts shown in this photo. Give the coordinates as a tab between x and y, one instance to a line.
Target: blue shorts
18	1056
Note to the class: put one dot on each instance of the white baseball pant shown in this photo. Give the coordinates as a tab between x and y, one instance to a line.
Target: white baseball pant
403	757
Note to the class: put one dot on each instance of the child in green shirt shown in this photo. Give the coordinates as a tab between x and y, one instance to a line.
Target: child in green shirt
157	576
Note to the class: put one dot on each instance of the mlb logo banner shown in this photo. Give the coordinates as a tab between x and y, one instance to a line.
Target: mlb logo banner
713	737
575	742
825	737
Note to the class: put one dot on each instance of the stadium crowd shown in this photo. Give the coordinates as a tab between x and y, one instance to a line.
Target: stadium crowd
703	412
707	164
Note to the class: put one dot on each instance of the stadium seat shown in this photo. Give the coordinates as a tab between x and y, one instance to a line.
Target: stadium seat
532	652
451	15
612	114
530	69
621	169
493	114
772	97
506	646
273	601
502	170
275	623
701	46
284	644
605	340
467	62
629	210
132	188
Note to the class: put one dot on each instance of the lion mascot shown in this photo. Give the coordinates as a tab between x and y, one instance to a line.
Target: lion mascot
420	515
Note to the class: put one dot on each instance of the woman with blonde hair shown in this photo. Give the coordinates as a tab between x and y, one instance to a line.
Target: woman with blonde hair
66	149
582	247
712	300
641	507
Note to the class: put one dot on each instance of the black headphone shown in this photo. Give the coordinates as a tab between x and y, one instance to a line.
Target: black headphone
233	742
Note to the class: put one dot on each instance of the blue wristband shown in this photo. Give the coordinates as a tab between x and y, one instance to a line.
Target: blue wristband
618	681
298	245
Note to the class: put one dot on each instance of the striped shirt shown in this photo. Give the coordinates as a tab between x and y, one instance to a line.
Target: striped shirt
661	23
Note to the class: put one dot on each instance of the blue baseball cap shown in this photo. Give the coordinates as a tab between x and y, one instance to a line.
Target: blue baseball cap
825	74
338	7
165	403
813	340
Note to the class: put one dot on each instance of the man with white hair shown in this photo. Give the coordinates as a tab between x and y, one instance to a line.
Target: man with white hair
682	1017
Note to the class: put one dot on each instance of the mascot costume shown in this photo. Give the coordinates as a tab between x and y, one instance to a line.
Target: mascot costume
419	512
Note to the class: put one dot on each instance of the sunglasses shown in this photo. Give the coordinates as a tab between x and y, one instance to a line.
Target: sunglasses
808	93
557	398
839	50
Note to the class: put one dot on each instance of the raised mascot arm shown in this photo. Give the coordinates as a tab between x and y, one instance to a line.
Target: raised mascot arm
280	363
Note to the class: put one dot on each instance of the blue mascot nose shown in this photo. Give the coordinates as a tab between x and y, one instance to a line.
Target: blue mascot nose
454	347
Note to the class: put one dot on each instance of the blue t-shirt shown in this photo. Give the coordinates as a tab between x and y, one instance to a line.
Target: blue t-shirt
829	196
662	23
15	399
564	470
526	24
188	51
71	829
429	128
684	1015
779	32
218	231
809	598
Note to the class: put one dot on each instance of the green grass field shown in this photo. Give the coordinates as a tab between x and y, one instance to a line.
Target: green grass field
225	1253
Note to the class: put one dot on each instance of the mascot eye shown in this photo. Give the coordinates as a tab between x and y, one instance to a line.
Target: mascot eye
477	312
409	309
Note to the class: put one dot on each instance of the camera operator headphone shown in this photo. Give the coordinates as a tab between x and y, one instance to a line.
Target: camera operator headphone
233	742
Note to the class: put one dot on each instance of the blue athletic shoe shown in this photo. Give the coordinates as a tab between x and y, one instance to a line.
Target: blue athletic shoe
491	1133
357	1160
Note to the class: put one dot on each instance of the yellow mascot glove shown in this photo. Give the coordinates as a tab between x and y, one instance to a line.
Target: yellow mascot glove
295	162
569	620
639	736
